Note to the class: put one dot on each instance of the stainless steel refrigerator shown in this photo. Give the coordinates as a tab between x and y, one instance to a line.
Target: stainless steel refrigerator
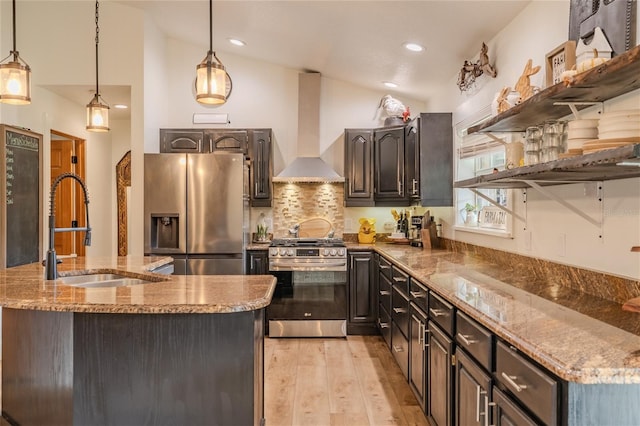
195	209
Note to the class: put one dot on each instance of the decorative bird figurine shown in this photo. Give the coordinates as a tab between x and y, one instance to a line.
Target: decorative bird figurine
393	108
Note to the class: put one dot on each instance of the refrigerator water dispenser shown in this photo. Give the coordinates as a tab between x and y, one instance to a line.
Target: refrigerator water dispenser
164	231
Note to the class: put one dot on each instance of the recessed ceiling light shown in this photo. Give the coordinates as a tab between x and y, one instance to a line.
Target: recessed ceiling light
237	42
120	106
414	47
390	84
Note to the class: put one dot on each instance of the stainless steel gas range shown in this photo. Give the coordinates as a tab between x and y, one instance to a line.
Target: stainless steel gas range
310	299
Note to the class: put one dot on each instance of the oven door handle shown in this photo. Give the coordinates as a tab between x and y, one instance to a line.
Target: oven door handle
304	266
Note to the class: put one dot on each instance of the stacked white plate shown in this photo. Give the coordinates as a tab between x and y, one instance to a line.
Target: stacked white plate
579	132
615	129
619	125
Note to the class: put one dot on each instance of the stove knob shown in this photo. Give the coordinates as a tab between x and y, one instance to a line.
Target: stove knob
273	252
333	252
283	252
325	252
340	252
290	252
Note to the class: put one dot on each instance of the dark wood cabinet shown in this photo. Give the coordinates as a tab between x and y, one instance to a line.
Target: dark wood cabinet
388	182
473	392
261	169
358	167
257	262
401	165
432	159
440	408
230	140
384	299
363	301
182	140
418	368
507	413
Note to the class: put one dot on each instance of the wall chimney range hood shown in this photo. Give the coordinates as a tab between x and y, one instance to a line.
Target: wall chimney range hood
308	166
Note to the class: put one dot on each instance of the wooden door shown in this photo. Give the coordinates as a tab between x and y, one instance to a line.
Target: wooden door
67	156
389	165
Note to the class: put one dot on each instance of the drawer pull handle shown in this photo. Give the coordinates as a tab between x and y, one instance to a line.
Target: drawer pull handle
383	324
511	381
384	293
400	310
398	348
383	267
437	312
400	279
418	294
466	339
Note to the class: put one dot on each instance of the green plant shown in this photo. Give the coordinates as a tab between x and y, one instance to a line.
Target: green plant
469	207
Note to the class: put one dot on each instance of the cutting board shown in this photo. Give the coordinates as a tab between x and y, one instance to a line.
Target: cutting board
314	228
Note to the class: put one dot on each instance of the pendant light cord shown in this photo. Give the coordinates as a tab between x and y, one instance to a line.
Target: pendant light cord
15	53
97	41
210	26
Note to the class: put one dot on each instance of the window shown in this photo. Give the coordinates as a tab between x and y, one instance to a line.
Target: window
480	154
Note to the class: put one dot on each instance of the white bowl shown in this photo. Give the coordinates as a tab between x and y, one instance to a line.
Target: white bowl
582	124
619	134
621	113
629	126
588	133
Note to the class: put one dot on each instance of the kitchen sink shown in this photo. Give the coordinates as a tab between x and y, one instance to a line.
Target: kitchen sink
101	280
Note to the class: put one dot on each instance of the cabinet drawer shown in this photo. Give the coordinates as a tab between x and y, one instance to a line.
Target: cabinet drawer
527	382
400	350
385	267
475	339
400	310
441	312
418	294
400	279
384	324
506	412
384	292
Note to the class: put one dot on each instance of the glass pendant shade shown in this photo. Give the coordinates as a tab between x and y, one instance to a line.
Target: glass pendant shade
97	115
15	82
210	81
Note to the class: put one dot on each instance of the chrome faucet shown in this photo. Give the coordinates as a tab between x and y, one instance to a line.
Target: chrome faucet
51	262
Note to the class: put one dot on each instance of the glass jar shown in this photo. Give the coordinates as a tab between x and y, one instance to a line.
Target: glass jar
554	140
533	139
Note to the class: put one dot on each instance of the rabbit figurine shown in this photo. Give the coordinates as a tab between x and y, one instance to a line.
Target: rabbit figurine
523	86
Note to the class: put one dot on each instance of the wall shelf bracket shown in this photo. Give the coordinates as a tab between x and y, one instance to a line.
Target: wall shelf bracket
493	202
599	197
573	107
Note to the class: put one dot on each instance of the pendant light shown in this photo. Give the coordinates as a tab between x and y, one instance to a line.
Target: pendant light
210	74
15	75
97	109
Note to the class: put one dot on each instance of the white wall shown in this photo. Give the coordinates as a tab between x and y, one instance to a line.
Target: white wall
61	54
554	232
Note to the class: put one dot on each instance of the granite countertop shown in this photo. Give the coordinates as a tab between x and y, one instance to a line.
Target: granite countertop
580	338
24	287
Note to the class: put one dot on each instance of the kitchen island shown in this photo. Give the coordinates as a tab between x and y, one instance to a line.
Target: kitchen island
176	350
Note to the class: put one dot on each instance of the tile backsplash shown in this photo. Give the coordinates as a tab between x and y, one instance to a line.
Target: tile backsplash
296	202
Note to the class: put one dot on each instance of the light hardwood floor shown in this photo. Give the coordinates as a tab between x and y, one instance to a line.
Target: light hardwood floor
353	381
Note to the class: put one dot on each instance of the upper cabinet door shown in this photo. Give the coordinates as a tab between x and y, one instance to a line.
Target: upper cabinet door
389	181
436	159
358	167
412	158
228	140
182	141
261	167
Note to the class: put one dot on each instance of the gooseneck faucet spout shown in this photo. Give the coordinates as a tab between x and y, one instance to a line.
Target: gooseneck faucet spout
51	262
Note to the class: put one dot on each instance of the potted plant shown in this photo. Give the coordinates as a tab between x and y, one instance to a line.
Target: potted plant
469	214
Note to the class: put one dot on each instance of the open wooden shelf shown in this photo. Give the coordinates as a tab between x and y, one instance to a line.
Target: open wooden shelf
598	166
615	77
